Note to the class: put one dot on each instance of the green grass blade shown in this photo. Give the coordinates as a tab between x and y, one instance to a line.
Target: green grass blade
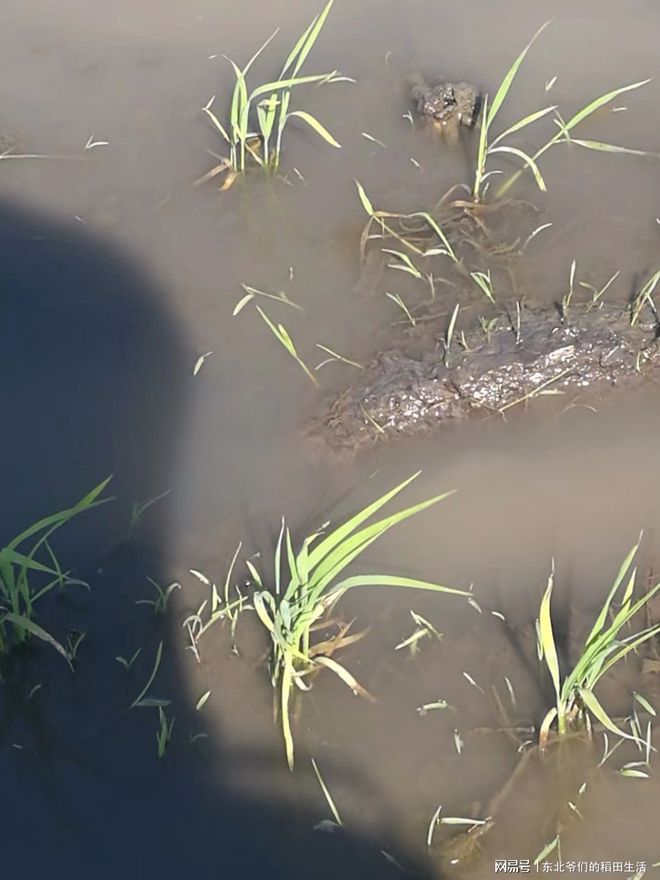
547	638
15	558
597	103
19	620
604	611
266	116
279	85
278	559
385	580
505	85
295	578
336	537
216	122
337	561
522	123
287	680
260	50
639	639
284	339
438	231
529	163
315	125
481	154
239	100
326	795
592	704
366	204
566	127
310	37
610	148
158	658
293	54
56	519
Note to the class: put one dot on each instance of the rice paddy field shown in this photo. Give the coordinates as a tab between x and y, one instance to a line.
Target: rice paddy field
225	650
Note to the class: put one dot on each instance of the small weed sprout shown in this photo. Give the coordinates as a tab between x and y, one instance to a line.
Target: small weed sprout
73	642
161	603
164	732
138	510
127	663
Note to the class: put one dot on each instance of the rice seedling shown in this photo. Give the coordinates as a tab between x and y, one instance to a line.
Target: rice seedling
25	579
307	585
500	145
576	701
268	105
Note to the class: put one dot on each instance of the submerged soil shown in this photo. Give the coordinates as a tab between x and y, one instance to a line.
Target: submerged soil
119	273
504	363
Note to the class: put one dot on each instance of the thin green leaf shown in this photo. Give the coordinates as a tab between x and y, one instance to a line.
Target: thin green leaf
522	123
380	580
602	616
538	177
547	639
596	104
306	43
366	204
313	122
158	658
505	85
610	148
591	702
19	620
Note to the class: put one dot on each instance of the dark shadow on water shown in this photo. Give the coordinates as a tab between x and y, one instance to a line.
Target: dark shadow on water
96	376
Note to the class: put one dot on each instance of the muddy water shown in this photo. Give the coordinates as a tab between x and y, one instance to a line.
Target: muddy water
561	480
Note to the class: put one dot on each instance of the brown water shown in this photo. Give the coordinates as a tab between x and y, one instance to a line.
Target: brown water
568	483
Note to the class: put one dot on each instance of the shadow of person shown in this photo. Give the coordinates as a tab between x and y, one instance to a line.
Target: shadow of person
95	380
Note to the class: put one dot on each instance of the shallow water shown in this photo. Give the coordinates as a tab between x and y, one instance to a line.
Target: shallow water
118	274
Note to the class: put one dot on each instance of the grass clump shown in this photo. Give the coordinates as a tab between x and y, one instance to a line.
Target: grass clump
268	105
25	578
306	586
576	701
488	148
